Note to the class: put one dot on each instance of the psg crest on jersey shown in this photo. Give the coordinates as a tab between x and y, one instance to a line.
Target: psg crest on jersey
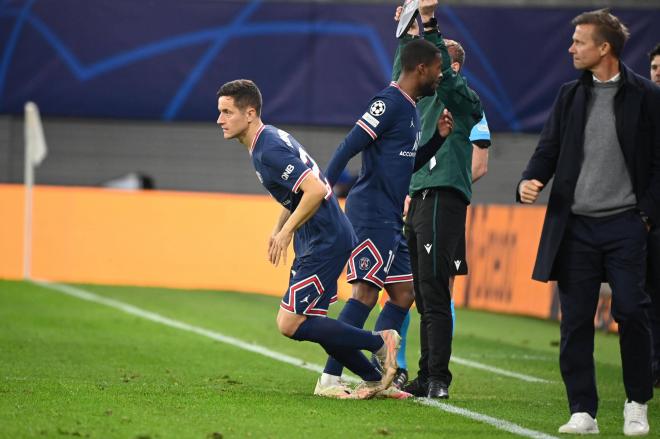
377	108
364	264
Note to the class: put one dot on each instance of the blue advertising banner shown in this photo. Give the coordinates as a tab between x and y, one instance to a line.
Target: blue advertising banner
316	63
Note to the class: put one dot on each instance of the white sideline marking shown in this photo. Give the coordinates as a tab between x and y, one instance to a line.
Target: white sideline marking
148	315
497	370
497	423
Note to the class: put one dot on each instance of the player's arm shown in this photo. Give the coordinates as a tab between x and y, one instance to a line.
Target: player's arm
380	116
314	192
428	150
480	138
284	215
356	141
479	161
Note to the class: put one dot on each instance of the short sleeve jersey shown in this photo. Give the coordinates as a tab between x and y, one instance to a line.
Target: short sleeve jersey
282	164
376	200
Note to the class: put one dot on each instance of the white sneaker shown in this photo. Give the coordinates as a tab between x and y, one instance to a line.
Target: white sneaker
337	390
635	422
580	423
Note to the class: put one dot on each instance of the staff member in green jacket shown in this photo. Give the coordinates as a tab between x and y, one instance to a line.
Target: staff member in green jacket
435	224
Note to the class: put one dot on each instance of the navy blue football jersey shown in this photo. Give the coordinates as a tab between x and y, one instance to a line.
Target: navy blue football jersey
282	164
392	137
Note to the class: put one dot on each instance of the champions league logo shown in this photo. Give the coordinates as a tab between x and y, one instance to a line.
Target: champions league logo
377	108
364	263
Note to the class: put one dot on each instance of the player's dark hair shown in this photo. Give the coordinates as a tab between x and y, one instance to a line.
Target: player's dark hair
608	28
655	52
456	51
245	94
418	52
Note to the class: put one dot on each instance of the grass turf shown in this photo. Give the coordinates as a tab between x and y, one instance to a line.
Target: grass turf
74	368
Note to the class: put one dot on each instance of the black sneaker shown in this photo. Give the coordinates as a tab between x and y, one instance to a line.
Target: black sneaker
400	378
438	389
417	387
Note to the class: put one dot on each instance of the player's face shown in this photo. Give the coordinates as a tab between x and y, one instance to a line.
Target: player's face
655	69
587	54
430	77
232	120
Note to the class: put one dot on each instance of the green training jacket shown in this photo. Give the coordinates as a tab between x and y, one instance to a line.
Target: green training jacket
452	165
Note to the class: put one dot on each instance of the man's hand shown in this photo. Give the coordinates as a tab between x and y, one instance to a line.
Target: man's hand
529	191
427	9
445	123
406	205
277	247
414	27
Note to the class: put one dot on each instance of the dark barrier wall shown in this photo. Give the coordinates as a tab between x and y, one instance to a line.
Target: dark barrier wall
316	63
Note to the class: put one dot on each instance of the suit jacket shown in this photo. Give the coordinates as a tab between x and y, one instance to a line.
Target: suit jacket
561	148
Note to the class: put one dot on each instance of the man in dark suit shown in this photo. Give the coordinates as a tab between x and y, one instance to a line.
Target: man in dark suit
602	144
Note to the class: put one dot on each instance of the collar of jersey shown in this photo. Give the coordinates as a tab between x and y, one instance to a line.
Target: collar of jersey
395	85
256	137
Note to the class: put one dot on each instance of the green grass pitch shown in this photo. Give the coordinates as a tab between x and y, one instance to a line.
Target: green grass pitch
74	368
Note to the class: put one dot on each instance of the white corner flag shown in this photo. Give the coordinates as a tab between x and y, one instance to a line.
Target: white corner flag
35	152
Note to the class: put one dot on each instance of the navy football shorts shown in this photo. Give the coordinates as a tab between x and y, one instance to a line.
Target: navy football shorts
313	285
381	257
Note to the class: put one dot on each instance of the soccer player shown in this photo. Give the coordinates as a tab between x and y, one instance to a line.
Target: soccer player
387	134
322	235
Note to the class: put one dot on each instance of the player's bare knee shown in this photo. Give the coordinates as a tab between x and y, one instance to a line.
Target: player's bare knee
288	324
365	293
401	294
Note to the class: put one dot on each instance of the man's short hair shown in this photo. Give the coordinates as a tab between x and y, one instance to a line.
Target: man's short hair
456	51
655	52
608	28
245	94
418	52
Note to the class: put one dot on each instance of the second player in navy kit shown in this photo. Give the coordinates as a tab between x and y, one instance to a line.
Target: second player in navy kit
322	237
387	136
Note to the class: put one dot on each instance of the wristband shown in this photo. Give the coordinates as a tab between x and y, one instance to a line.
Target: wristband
430	26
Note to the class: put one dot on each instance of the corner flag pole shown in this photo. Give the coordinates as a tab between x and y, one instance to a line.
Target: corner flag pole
35	152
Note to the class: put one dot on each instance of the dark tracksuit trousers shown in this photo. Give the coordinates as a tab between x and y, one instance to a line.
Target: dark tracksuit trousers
435	226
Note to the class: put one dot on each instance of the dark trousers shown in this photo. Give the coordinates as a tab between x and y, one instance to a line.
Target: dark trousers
593	249
653	288
435	225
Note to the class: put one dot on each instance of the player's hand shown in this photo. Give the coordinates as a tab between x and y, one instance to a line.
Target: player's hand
445	123
427	9
529	190
406	205
414	27
277	247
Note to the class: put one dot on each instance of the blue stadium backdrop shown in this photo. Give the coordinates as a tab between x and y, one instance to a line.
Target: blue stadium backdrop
316	63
